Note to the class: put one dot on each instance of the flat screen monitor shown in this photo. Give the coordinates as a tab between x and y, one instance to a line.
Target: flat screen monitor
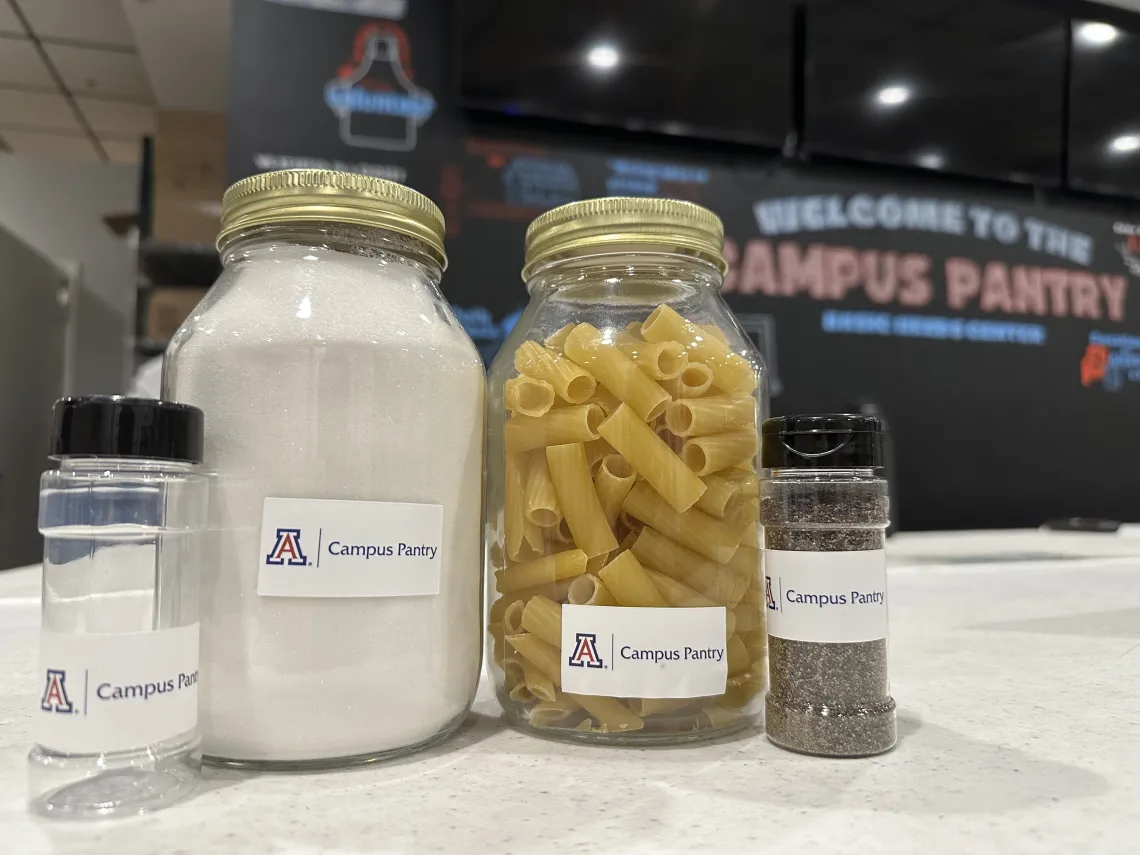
1104	111
719	69
968	87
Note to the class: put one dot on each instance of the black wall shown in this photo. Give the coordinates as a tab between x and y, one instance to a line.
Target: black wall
1001	336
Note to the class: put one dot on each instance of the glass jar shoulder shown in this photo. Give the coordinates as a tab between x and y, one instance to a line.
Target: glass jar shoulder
298	295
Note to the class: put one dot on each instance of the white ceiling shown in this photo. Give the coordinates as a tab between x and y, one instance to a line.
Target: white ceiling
81	79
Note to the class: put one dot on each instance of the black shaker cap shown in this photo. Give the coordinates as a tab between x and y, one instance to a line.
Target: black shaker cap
113	426
831	441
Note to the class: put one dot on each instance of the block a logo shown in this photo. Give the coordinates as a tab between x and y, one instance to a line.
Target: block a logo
55	693
585	653
768	598
287	549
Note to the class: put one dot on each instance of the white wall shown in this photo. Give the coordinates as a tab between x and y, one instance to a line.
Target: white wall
58	206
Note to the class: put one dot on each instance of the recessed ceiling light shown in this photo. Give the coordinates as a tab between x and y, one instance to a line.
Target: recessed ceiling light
931	159
603	57
1125	143
892	96
1096	34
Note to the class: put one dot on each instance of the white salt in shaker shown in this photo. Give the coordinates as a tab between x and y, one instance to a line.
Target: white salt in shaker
341	601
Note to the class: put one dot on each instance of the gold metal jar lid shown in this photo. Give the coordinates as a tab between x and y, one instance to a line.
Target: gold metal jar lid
608	225
321	195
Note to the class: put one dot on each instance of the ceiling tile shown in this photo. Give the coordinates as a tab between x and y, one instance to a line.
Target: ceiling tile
122	152
118	118
88	71
20	64
50	145
36	109
100	21
9	23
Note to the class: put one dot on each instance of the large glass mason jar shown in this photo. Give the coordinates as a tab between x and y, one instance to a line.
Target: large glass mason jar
622	541
344	428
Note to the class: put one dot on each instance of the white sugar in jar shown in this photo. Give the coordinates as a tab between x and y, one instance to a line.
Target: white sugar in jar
344	424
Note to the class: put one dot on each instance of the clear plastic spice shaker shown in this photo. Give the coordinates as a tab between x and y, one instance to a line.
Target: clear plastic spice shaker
116	722
824	507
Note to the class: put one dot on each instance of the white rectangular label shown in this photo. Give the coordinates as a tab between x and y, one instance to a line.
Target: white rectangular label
826	596
643	653
116	691
336	548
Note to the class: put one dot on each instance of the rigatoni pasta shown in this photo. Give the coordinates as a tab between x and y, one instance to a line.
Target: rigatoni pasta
629	482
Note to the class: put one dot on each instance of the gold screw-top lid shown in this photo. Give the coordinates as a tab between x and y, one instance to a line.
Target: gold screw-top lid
321	195
611	224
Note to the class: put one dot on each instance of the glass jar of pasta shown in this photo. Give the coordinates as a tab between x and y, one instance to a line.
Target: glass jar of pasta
622	536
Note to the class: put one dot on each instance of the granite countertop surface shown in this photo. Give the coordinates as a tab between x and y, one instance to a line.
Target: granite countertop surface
1015	662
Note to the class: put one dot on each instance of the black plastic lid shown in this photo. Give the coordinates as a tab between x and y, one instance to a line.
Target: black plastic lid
833	441
112	426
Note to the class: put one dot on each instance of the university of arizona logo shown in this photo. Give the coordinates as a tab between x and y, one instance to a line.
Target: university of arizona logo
287	549
768	594
55	693
585	653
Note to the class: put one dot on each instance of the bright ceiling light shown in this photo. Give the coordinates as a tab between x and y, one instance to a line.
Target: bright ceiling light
603	57
931	160
892	96
1125	143
1096	34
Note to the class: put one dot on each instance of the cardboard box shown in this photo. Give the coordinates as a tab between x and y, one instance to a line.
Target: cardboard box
189	175
167	308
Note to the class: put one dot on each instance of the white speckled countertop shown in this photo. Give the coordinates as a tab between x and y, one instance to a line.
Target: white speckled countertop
1018	687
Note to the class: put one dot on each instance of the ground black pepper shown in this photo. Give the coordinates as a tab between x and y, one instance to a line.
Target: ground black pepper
825	698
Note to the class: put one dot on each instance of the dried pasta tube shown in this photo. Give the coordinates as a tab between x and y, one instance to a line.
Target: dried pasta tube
715	331
562	425
630	584
542	508
557	339
514	503
580	505
597	562
629	523
740	689
605	399
571	383
750	536
616	371
633	328
749	483
719	492
596	451
534	542
731	372
539	653
552	712
717	717
512	618
708	454
716	414
537	682
656	706
611	715
554	590
735	652
746	562
542	618
756	643
589	590
561	533
747	618
527	396
541	571
703	534
662	360
514	679
692	382
613	481
586	724
713	580
678	594
652	458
